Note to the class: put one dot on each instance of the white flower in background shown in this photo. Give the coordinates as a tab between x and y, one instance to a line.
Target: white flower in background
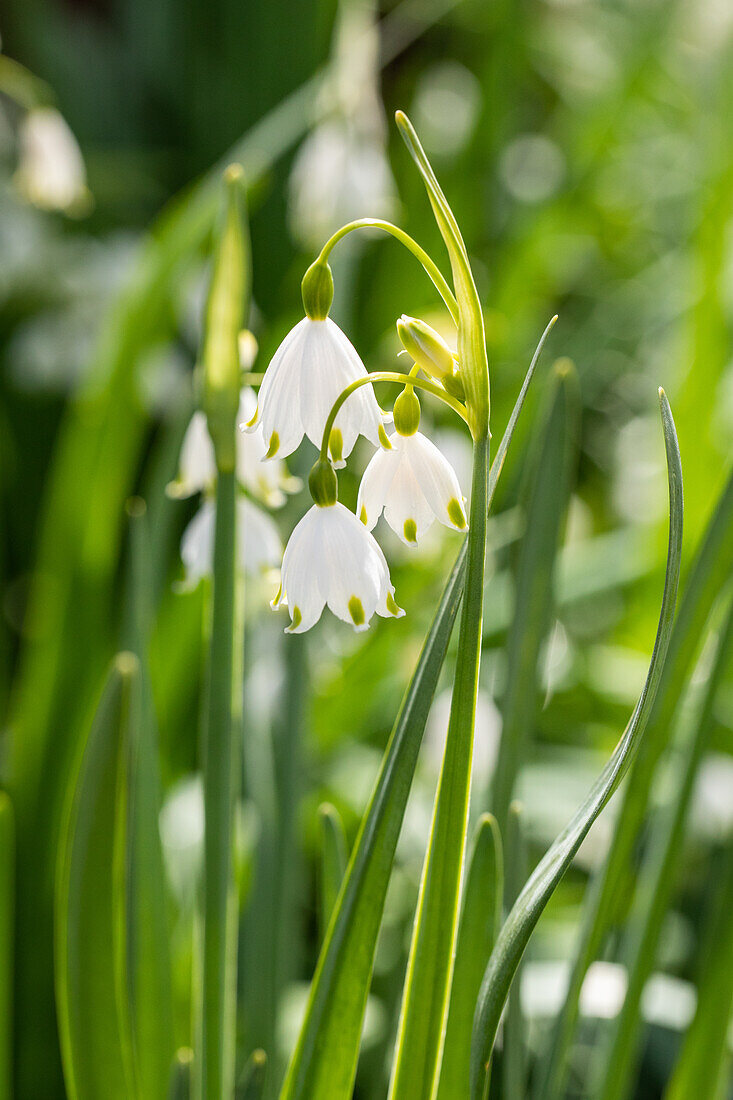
258	542
269	481
197	467
51	171
341	168
413	484
313	364
332	559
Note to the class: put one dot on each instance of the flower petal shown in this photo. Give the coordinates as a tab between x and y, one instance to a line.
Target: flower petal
375	483
438	481
258	541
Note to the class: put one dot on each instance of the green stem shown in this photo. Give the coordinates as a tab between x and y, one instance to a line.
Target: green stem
220	782
388	376
431	268
430	967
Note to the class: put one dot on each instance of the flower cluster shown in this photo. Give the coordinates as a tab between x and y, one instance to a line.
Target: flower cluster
317	385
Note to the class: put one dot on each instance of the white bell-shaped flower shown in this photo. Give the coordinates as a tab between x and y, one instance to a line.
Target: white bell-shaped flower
313	364
51	172
197	468
196	464
258	542
332	559
413	484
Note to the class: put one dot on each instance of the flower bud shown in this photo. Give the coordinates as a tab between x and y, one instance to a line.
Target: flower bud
407	412
423	344
317	290
323	484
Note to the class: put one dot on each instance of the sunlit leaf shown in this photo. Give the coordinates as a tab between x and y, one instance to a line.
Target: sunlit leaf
521	922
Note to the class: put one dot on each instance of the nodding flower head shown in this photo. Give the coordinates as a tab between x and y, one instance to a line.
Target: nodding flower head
413	484
313	364
332	559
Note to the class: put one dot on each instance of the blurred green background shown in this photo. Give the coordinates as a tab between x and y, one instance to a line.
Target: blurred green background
585	147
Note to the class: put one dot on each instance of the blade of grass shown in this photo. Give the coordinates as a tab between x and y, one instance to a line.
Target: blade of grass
91	981
710	571
333	861
656	880
324	1060
7	906
527	910
148	928
479	927
549	483
514	1056
705	1056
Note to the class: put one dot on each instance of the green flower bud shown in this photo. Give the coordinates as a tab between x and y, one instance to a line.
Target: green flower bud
323	483
317	290
423	344
226	308
407	412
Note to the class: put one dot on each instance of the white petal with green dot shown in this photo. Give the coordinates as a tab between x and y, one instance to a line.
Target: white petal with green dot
313	364
413	484
332	560
268	481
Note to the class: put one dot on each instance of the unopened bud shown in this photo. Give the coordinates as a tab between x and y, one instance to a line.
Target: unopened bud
423	344
323	483
317	290
407	412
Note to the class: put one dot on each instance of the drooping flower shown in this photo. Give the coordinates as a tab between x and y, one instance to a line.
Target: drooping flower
258	542
332	559
413	484
313	364
197	468
51	172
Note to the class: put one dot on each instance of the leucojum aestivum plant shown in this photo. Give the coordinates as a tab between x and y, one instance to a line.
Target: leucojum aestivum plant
317	385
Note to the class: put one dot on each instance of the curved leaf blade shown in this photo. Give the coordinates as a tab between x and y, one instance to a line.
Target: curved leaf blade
711	570
333	860
91	986
528	908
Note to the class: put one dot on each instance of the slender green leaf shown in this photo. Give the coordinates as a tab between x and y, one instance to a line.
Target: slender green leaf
550	481
655	883
91	984
7	908
711	570
521	921
479	927
148	928
514	1058
705	1057
333	861
324	1060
